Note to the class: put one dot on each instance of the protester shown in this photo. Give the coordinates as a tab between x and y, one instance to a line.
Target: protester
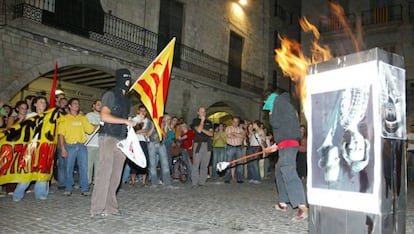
410	151
202	147
234	140
19	115
157	151
61	105
93	145
301	160
219	150
285	123
39	105
71	130
143	134
186	144
257	141
116	107
169	138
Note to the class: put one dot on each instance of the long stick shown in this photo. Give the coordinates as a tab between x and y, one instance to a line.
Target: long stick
93	134
267	150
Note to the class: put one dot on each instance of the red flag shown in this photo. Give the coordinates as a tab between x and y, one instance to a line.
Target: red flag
152	85
53	90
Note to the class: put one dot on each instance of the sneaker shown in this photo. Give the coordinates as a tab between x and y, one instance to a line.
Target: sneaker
256	182
67	193
16	199
240	181
42	198
99	216
251	181
172	187
86	194
302	214
280	207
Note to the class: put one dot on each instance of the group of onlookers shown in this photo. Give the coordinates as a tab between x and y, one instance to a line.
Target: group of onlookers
87	144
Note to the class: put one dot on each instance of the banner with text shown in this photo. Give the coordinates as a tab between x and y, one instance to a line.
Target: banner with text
27	149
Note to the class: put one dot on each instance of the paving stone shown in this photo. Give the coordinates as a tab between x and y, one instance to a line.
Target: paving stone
214	208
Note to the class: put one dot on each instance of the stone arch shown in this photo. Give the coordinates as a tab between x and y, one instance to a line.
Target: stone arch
222	111
107	65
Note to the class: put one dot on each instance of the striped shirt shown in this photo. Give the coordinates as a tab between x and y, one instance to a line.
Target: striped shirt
234	135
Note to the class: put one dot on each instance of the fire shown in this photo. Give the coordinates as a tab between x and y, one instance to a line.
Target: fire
294	63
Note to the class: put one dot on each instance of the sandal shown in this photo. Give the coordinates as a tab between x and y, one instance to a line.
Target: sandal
280	207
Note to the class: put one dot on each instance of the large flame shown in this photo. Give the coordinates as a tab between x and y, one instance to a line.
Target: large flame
294	63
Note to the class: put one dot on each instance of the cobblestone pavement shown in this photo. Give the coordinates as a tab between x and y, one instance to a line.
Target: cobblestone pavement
214	208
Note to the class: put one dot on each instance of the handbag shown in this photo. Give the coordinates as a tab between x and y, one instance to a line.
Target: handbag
132	148
174	149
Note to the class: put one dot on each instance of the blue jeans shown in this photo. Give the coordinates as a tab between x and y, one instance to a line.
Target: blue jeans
77	152
234	152
158	153
125	173
253	170
411	159
40	190
289	185
61	173
186	159
219	155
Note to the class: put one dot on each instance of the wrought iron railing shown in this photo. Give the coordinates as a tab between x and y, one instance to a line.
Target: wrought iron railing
375	16
135	39
333	23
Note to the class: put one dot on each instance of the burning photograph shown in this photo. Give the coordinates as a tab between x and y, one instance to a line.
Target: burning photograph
343	157
392	102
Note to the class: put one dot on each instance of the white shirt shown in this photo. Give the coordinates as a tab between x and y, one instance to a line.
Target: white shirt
94	119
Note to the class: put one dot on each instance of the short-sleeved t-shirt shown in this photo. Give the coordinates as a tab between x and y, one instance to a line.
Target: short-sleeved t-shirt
120	106
73	128
201	137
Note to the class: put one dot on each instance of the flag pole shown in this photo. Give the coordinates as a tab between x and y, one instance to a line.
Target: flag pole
149	67
52	98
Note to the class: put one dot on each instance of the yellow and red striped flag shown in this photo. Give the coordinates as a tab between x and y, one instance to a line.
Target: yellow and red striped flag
152	85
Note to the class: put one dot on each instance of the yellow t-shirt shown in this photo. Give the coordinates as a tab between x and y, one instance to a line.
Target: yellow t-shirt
219	142
73	128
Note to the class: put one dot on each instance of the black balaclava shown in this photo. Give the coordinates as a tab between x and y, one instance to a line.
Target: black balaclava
122	75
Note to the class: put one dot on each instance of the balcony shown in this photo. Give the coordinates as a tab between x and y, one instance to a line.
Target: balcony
375	16
332	23
126	36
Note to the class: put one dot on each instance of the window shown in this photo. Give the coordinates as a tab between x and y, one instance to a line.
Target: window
170	25
235	59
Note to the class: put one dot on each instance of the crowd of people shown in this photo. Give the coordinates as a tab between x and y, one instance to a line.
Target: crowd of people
102	166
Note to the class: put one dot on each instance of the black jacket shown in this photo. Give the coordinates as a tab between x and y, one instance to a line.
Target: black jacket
284	119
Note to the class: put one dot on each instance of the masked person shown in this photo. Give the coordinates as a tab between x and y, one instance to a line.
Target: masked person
116	108
285	123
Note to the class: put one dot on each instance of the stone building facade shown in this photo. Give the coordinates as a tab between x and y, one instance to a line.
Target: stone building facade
223	57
